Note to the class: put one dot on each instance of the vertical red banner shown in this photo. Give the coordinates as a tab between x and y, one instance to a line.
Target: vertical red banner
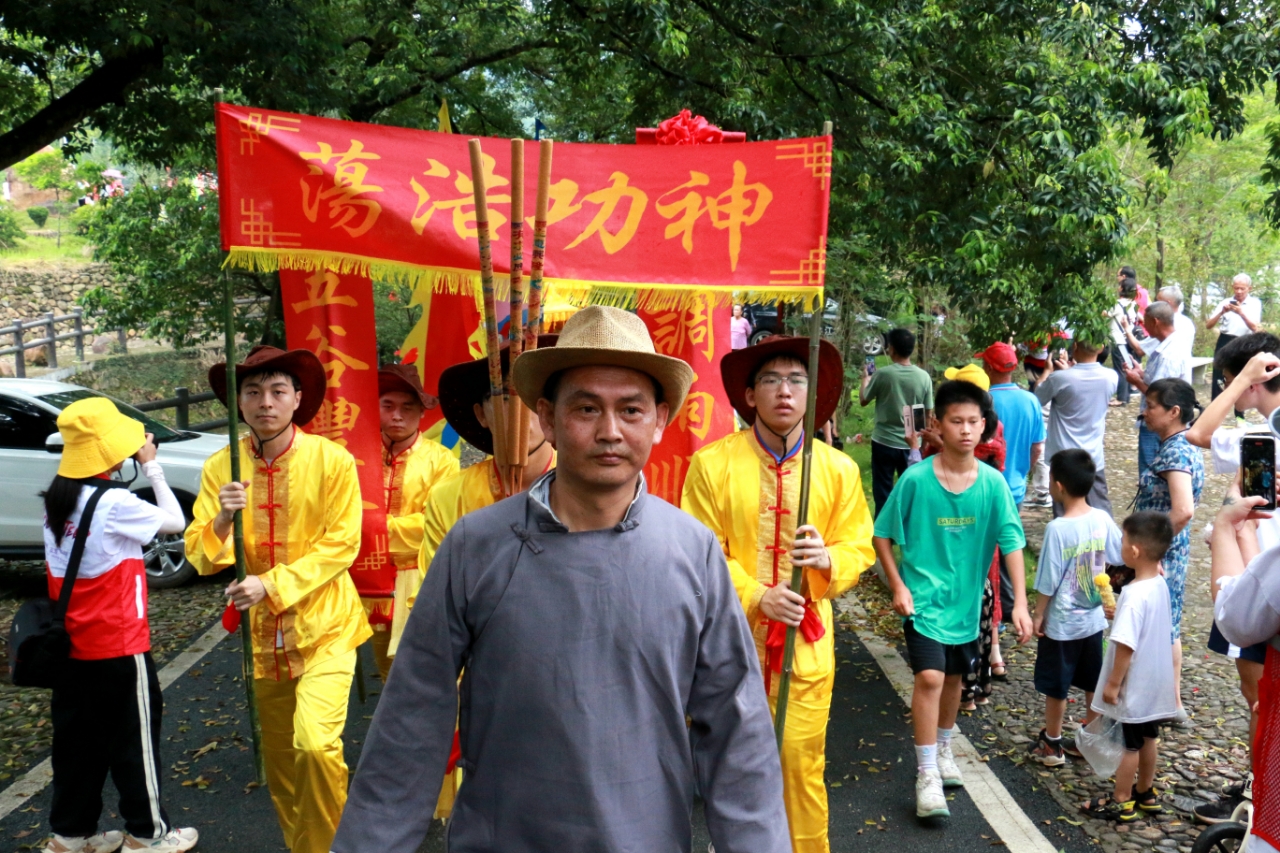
332	315
450	330
700	336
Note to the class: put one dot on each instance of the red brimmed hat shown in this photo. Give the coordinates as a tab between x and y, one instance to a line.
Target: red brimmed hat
463	385
1000	357
404	378
301	364
738	367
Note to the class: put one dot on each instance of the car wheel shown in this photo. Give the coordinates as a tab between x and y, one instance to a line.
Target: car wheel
165	557
759	336
873	344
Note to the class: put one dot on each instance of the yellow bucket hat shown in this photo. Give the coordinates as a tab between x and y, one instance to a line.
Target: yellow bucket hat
970	373
96	436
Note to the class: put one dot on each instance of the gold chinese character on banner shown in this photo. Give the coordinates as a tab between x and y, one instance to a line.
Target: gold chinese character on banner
335	418
335	361
683	326
609	198
353	214
463	206
695	414
740	206
322	289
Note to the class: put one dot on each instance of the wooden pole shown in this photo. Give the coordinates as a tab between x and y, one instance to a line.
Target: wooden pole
237	534
518	450
802	513
539	246
498	427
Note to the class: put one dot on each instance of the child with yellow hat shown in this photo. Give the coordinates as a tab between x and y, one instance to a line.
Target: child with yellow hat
107	708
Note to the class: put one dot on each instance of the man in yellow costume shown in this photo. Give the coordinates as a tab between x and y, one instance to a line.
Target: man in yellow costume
302	513
411	467
746	488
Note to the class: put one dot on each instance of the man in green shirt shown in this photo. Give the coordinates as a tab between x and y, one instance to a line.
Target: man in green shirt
891	387
947	514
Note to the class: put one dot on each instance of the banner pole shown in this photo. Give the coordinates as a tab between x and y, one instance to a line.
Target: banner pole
517	445
498	427
233	446
802	513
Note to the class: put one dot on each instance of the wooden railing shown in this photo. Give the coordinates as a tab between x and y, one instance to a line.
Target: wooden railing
182	400
49	340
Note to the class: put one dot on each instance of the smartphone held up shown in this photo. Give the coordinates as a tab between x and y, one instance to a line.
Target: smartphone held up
1258	469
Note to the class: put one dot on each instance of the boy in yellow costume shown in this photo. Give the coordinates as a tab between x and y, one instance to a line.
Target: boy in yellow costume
411	467
746	487
302	513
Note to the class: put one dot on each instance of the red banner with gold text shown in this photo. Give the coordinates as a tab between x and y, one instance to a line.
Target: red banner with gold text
302	192
698	334
332	315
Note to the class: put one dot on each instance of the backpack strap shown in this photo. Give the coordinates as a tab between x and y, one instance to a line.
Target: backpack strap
77	549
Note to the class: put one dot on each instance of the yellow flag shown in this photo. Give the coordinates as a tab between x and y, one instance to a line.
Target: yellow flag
445	126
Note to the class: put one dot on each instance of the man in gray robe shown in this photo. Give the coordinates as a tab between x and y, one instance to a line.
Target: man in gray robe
608	669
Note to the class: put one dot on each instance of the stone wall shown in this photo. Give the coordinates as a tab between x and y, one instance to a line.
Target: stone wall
28	291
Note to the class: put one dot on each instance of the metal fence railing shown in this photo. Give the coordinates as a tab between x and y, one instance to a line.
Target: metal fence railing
182	400
49	340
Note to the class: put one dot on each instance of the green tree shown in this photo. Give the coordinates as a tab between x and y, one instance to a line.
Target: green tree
48	170
10	230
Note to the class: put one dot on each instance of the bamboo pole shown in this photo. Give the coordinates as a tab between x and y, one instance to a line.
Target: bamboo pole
802	513
233	439
498	426
517	446
534	327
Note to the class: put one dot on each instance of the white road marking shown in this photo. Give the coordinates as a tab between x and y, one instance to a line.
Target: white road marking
986	790
34	780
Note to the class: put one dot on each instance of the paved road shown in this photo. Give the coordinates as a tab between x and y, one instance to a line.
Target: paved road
870	770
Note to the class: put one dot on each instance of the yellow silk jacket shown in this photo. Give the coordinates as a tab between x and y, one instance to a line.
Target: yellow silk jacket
735	487
301	534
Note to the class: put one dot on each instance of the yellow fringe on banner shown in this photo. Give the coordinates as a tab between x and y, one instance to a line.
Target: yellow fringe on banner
650	296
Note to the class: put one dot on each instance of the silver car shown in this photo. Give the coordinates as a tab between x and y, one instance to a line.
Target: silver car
29	450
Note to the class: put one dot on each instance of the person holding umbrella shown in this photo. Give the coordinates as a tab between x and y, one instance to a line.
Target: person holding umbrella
745	488
302	515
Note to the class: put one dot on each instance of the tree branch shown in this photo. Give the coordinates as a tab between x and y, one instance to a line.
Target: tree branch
104	85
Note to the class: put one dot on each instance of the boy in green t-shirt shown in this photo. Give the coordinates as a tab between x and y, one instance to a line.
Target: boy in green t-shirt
947	514
899	383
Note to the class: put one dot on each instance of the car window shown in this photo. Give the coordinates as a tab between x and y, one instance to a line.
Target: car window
23	425
62	399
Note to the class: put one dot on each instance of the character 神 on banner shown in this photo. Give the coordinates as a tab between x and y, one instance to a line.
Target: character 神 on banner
411	467
746	489
697	333
301	508
332	315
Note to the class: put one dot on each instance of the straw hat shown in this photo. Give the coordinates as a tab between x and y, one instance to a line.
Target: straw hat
301	364
969	373
404	378
96	436
463	385
599	336
737	368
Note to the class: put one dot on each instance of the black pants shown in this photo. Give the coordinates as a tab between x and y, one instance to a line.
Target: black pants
886	464
1218	380
107	718
1122	384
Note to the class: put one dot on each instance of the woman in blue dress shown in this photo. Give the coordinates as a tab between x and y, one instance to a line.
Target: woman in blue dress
1172	485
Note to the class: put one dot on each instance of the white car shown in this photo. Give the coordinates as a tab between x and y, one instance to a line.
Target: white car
29	451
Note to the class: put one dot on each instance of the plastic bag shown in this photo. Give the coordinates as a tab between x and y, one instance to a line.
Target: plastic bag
1102	745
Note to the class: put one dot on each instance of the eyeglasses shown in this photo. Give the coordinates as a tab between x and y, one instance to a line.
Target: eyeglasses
772	381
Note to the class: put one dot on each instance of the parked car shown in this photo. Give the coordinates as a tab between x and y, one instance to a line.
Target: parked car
764	322
29	452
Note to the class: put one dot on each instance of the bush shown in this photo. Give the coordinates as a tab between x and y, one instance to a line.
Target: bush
39	215
82	218
10	230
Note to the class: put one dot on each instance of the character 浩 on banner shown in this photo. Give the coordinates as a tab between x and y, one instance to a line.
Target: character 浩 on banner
745	487
601	635
302	517
411	467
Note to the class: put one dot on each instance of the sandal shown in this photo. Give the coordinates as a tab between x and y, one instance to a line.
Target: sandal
999	671
1104	808
1148	801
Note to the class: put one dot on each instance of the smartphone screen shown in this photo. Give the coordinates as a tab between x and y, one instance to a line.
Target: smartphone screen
917	417
871	364
1258	469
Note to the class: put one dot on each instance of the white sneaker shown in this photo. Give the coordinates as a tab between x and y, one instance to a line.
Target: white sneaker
176	840
947	767
930	799
103	842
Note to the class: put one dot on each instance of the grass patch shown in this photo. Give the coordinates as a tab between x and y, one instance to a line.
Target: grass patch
139	377
32	248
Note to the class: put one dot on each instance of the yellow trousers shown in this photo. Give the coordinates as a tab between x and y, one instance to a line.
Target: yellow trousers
381	641
302	722
804	761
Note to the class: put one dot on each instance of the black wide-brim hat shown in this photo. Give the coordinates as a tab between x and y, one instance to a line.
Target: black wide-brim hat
301	364
738	366
464	385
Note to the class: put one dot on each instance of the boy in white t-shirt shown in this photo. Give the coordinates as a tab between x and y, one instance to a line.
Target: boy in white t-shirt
1136	684
1069	619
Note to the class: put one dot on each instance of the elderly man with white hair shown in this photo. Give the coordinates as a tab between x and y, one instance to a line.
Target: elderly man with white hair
1184	328
1239	315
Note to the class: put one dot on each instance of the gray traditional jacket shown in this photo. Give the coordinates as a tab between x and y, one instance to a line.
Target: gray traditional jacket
606	674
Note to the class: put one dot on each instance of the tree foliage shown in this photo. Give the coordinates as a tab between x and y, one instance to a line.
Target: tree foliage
10	229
